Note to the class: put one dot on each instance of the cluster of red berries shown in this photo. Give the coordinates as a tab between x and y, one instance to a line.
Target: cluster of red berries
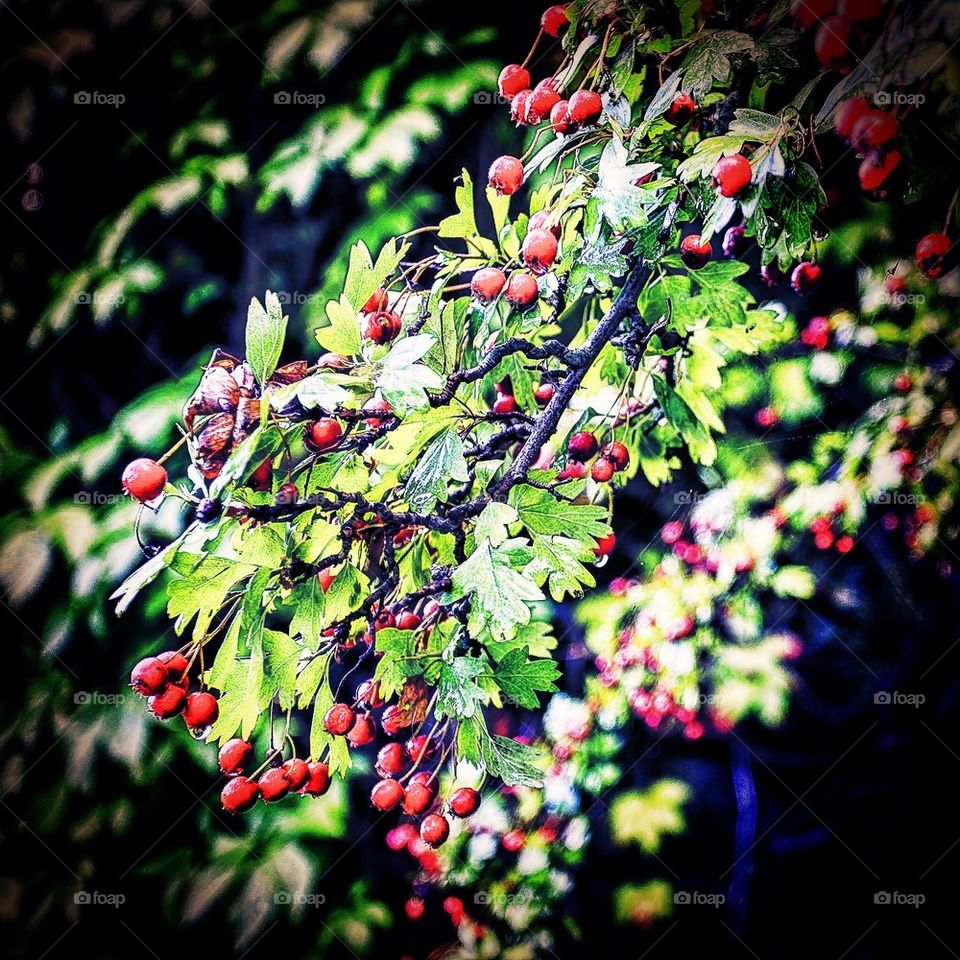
837	20
825	537
280	779
872	133
380	324
164	682
583	446
816	333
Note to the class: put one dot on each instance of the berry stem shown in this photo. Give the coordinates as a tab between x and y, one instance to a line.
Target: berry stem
532	49
950	209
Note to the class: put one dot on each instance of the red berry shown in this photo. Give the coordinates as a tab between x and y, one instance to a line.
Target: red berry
585	107
772	274
805	277
434	829
151	675
414	907
168	703
487	284
504	404
540	221
766	417
521	289
362	732
297	772
262	478
407	620
513	840
386	794
732	175
808	12
682	109
513	78
239	795
854	10
543	393
454	906
560	117
875	170
234	756
931	254
419	748
695	252
847	114
416	799
319	781
582	445
542	101
273	784
287	494
574	470
382	326
830	42
506	175
734	241
201	710
391	760
617	454
903	382
144	479
393	720
602	470
539	250
368	694
325	578
605	545
464	802
339	719
844	544
176	663
323	434
554	20
873	129
401	835
378	301
518	109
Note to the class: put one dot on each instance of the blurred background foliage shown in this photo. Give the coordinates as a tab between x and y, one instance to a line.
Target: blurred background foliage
256	142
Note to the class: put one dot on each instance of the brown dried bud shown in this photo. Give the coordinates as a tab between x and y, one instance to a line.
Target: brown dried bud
333	361
245	379
217	392
248	416
215	440
288	373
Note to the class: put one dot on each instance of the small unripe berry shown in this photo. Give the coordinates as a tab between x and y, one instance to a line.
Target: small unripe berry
239	795
434	830
585	107
168	703
234	756
602	470
732	175
506	175
695	252
521	289
539	250
554	20
682	109
273	784
386	794
338	720
318	782
382	326
149	676
323	434
464	802
144	479
487	284
513	78
582	445
201	710
931	254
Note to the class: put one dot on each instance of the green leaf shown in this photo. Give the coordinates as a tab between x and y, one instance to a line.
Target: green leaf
521	678
309	603
493	522
541	512
514	763
557	562
794	582
461	224
322	391
203	592
458	693
266	329
403	381
500	594
709	61
440	463
343	334
281	655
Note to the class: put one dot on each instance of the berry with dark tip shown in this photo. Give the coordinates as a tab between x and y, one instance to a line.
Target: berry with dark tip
582	446
539	250
505	403
368	694
875	170
694	252
931	254
542	101
543	393
382	326
416	799
681	110
144	479
169	703
392	760
393	720
560	117
362	732
513	78
464	802
297	772
323	434
617	454
506	175
201	710
149	676
318	783
176	663
873	129
239	795
234	756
